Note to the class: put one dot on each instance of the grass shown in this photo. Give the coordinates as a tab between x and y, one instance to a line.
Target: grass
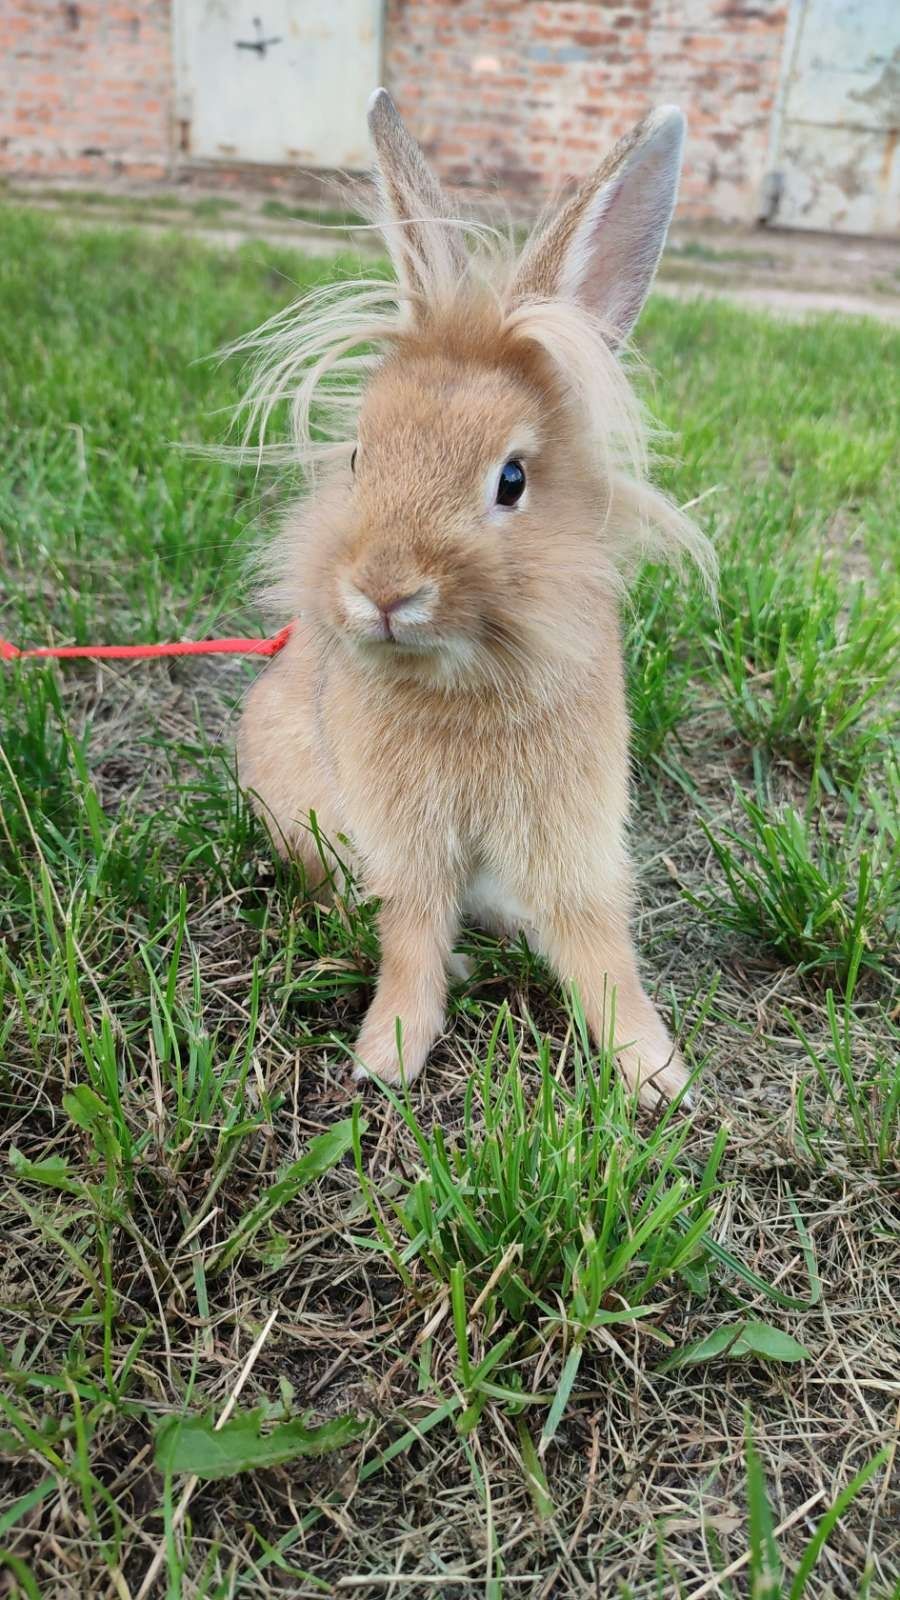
500	1335
828	904
864	1105
552	1217
150	206
806	663
323	216
699	250
207	208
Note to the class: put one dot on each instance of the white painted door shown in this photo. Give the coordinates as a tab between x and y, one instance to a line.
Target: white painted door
277	81
837	163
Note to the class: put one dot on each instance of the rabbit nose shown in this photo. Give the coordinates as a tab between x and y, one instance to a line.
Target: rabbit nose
380	609
415	600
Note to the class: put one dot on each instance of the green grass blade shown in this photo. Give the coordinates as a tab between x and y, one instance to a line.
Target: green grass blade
561	1398
832	1516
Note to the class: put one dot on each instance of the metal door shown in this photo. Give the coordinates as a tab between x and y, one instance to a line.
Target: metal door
836	162
278	81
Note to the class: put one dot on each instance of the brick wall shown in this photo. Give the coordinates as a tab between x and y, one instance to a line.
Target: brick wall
85	87
532	91
513	94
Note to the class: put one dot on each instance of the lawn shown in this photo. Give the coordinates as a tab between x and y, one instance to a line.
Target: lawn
503	1336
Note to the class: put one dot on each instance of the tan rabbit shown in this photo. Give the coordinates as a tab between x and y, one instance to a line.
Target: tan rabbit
452	697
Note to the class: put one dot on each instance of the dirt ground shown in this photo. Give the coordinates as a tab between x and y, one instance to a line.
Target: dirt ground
789	274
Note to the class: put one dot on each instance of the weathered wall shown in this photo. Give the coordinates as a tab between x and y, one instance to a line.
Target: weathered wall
86	87
518	94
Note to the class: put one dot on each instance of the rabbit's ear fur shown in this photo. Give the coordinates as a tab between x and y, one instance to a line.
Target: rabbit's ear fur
426	246
601	250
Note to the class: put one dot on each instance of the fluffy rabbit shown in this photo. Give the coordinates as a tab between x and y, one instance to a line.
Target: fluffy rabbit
451	700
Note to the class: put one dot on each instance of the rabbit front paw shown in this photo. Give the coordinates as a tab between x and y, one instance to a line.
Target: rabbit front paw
659	1075
377	1055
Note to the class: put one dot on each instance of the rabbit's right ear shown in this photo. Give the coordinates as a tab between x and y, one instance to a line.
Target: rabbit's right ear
427	249
602	248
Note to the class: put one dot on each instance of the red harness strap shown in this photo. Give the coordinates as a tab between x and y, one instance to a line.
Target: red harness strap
145	652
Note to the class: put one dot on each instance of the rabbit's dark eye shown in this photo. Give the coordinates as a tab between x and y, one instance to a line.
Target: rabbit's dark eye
353	460
511	487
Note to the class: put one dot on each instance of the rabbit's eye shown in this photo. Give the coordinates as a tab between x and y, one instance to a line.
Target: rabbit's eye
511	487
353	460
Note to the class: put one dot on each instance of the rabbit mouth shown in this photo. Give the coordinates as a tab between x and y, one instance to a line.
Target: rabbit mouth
438	659
389	644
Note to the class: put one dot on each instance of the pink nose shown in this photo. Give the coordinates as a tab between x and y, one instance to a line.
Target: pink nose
390	603
388	607
382	609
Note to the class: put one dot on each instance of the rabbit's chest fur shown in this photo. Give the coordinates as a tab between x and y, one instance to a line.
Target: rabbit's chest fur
516	803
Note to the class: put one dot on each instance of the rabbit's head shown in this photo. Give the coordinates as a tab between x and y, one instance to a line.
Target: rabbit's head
487	471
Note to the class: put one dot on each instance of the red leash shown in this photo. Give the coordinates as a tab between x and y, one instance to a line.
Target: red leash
145	652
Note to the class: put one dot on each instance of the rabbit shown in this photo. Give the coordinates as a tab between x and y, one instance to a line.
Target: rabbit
451	702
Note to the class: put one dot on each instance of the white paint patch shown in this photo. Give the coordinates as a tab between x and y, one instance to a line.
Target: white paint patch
286	88
835	159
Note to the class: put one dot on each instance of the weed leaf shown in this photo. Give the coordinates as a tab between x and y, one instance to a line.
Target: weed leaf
53	1171
739	1339
324	1152
761	1339
194	1445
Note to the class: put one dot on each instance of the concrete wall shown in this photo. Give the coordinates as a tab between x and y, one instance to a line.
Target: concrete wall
517	94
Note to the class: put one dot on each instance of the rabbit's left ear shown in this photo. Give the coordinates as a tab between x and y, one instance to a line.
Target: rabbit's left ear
603	247
427	249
